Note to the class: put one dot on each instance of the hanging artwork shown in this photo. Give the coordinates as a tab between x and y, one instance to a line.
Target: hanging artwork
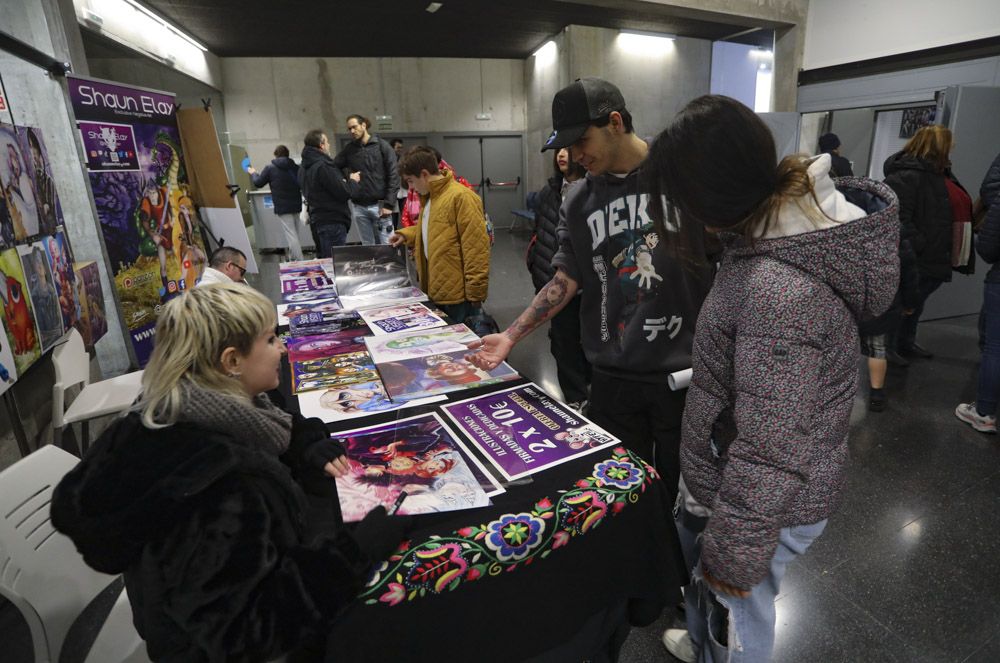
20	318
92	322
46	197
60	259
151	229
43	293
21	218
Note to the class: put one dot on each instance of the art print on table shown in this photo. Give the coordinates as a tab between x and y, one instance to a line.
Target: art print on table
20	316
304	269
306	324
409	345
337	371
46	197
318	284
289	310
394	319
430	375
21	220
367	270
318	346
418	455
352	401
383	298
43	293
523	430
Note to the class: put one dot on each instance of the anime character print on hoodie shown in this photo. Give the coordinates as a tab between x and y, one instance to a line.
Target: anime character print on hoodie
637	313
764	446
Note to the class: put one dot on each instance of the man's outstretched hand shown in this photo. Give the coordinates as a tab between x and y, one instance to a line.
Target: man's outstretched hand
490	351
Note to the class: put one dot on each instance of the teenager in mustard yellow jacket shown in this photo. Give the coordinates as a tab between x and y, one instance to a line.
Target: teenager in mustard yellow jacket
449	242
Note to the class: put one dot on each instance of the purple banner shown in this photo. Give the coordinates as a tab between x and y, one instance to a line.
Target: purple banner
97	100
522	430
109	146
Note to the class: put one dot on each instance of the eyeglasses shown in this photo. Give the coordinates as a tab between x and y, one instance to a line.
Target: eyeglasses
243	270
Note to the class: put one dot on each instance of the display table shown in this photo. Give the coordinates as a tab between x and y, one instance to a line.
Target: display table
557	561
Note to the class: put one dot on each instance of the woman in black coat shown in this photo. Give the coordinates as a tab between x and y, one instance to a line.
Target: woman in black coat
919	175
197	496
572	368
981	413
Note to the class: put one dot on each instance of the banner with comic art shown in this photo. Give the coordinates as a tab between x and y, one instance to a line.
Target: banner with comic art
152	233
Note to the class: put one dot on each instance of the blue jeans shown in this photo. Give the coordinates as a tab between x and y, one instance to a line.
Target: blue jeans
988	392
374	229
329	236
745	625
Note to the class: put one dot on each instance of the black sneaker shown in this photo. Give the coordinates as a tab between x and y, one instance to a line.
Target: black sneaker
916	351
876	402
895	359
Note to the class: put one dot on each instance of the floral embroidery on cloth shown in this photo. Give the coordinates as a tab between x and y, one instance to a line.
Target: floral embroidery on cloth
443	563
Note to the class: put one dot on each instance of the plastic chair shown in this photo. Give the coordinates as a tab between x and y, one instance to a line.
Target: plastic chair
44	576
527	214
113	396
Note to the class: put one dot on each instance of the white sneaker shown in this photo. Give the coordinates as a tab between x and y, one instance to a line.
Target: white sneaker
678	643
968	413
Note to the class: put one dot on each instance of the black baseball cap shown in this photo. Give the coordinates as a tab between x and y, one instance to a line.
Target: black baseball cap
577	106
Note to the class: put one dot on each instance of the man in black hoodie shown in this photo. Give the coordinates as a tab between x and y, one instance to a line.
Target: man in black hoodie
283	176
375	199
327	192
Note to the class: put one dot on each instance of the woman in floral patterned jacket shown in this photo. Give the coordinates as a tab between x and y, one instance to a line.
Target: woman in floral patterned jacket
764	436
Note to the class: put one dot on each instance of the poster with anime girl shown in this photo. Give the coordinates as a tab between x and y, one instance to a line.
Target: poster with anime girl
18	312
418	455
318	346
352	401
61	265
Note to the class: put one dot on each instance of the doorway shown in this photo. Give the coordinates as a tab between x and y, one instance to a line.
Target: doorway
494	167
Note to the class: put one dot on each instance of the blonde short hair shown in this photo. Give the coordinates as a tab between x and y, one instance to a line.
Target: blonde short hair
191	333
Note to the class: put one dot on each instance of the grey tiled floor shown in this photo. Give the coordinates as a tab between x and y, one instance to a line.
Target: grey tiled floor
907	570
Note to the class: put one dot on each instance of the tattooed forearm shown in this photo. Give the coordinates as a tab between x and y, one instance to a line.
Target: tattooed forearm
550	300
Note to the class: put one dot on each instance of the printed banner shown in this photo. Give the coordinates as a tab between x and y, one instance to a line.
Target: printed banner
151	228
418	455
523	430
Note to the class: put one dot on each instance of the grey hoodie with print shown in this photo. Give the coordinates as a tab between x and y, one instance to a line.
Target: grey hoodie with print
765	428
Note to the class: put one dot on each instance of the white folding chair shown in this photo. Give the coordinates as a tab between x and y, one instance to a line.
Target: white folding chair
112	396
44	576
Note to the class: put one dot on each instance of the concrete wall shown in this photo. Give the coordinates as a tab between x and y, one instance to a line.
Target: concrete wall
734	71
839	31
655	85
144	72
277	100
38	100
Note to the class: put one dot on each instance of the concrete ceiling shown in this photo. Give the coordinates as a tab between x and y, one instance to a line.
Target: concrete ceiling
402	28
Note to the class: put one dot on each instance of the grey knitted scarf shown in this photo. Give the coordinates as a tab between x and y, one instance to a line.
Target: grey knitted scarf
258	423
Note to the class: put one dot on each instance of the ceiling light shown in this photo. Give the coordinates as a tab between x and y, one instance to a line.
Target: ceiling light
546	53
186	37
645	43
433	7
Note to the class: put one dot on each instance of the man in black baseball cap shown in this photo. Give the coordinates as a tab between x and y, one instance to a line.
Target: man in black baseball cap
639	302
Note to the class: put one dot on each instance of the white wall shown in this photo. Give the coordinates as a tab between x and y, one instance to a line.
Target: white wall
277	100
839	31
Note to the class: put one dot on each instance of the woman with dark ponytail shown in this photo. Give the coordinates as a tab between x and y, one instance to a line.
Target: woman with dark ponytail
775	356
